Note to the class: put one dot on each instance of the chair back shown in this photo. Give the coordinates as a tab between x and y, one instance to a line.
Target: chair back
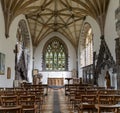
9	101
27	101
90	99
105	99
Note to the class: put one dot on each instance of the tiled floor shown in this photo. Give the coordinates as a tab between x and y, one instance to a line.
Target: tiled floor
63	106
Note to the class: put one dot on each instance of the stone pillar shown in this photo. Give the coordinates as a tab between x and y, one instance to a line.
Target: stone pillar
117	51
117	46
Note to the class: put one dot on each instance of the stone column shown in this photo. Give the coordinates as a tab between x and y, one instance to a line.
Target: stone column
117	46
117	51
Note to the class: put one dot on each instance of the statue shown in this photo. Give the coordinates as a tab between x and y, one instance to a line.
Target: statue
108	81
81	80
74	73
37	78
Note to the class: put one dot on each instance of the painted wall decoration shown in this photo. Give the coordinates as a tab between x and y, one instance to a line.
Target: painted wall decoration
2	64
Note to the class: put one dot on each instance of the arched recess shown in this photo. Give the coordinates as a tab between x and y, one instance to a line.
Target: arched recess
22	51
55	55
86	53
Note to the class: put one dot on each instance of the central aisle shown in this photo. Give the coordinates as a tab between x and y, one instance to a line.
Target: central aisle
56	102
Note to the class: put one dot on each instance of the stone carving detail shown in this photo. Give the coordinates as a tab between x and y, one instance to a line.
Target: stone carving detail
117	17
117	48
104	59
117	51
22	51
21	71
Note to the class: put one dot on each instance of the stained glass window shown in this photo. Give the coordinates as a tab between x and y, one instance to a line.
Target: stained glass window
55	55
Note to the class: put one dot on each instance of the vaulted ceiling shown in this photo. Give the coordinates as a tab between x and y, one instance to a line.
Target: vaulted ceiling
63	16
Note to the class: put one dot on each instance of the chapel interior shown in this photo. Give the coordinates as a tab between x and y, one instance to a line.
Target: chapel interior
59	55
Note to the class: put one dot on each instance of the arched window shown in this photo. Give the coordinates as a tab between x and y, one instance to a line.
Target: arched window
55	55
86	51
87	46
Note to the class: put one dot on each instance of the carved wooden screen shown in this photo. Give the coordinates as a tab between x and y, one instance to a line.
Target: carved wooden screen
55	55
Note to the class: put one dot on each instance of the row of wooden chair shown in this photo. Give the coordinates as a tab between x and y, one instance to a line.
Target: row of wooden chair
30	97
77	87
76	94
88	102
27	103
91	96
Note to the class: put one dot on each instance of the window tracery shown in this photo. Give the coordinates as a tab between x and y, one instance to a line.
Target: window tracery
87	47
87	53
55	55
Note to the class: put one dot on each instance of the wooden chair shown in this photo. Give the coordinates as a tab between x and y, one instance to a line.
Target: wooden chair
87	103
89	99
18	89
9	89
106	100
78	98
9	92
116	99
7	101
10	104
78	95
108	92
28	103
92	92
39	98
21	92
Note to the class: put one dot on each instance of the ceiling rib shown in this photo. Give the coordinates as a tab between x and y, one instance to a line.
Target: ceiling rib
63	16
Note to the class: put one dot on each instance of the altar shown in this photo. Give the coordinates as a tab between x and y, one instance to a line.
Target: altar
55	78
55	81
